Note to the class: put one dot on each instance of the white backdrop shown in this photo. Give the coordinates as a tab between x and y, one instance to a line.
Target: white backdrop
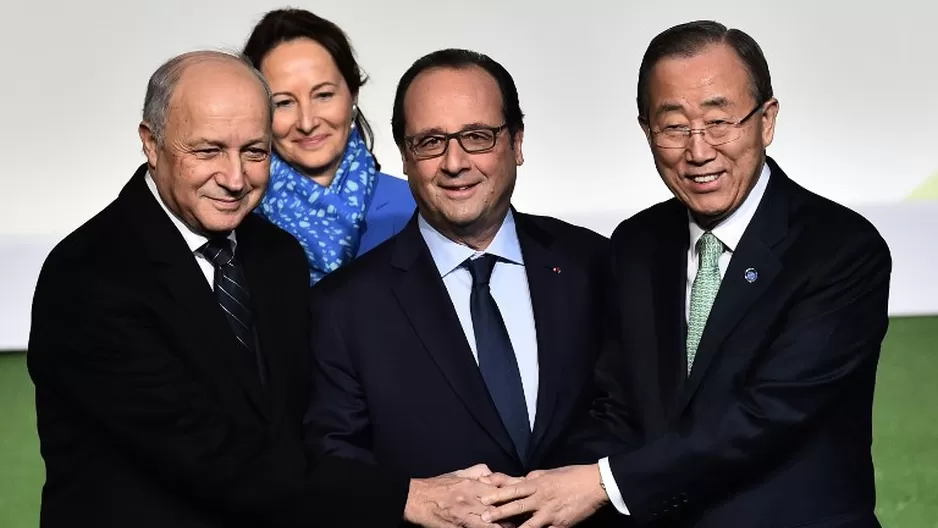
856	84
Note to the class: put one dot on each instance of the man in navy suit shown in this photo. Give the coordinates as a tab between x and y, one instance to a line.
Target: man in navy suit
471	336
745	325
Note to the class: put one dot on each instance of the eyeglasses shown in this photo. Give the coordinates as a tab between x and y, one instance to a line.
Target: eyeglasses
717	133
473	141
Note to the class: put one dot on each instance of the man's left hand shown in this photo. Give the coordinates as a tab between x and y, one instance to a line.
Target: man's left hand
557	498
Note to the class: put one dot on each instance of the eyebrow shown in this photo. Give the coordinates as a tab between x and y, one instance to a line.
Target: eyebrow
668	107
313	89
717	102
464	128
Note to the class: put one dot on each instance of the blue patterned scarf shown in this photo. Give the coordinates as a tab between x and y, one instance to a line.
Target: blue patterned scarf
327	221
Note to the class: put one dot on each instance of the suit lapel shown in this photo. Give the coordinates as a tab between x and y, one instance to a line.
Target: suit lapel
754	254
268	310
423	298
550	292
194	312
207	332
668	272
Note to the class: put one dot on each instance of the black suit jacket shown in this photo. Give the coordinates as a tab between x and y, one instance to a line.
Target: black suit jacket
773	427
395	379
148	412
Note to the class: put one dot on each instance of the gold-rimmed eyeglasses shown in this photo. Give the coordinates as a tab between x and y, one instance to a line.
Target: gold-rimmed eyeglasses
715	133
474	140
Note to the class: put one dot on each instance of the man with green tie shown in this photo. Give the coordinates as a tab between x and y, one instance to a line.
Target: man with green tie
745	322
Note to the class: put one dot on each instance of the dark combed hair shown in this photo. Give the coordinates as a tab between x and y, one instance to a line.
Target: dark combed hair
689	39
459	59
284	25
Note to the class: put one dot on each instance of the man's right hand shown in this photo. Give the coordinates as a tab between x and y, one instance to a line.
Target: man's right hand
448	501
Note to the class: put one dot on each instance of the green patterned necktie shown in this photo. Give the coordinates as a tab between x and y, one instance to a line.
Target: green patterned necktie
703	292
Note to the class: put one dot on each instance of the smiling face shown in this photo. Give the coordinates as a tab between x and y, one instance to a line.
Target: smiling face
464	196
211	167
709	87
312	107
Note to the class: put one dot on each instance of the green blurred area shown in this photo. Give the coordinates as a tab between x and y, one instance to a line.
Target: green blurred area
927	190
905	447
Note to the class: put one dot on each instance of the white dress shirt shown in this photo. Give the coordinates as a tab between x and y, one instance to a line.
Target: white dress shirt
729	232
193	239
509	286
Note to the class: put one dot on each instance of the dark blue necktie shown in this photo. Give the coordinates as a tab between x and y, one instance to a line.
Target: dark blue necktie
497	360
233	297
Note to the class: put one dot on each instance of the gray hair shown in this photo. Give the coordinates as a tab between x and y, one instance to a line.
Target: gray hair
164	80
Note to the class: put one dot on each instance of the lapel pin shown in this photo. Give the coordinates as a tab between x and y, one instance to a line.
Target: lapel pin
555	269
751	275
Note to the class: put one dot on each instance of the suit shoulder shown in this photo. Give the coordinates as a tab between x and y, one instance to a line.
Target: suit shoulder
391	183
570	235
644	222
88	262
96	243
826	220
394	190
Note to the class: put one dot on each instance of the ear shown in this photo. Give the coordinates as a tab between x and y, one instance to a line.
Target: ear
516	146
150	146
769	114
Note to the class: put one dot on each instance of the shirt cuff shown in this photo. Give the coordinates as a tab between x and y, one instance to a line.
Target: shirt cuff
612	490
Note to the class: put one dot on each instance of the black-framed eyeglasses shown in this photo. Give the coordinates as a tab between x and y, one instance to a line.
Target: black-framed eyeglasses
716	133
474	141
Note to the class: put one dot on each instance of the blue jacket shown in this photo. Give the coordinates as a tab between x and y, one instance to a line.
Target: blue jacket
391	208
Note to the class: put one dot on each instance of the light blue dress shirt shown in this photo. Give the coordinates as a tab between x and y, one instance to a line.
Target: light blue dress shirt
509	286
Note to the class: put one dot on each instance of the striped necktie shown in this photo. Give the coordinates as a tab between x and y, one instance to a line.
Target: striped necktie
232	294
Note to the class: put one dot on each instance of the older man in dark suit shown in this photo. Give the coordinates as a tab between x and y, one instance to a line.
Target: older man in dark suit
746	321
169	340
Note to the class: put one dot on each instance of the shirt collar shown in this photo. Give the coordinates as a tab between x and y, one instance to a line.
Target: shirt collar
730	231
449	255
193	240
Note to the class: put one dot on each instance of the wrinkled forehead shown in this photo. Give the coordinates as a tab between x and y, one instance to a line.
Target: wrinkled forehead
216	98
714	78
449	99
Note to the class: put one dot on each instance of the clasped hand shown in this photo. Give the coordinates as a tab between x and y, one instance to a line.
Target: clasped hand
478	498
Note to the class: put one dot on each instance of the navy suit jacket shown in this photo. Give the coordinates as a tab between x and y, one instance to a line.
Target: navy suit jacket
773	427
395	380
